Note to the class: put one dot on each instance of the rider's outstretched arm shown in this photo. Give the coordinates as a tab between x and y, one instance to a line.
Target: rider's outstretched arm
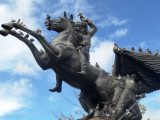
93	28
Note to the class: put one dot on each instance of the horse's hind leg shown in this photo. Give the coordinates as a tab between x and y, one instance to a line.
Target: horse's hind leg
87	102
51	51
39	57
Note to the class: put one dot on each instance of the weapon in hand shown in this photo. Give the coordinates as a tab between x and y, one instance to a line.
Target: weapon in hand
142	96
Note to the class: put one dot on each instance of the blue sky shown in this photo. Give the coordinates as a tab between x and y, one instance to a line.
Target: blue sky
24	86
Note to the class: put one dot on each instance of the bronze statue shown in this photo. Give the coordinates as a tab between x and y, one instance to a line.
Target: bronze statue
102	95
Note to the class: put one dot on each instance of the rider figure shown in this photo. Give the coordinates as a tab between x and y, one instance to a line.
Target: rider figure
85	41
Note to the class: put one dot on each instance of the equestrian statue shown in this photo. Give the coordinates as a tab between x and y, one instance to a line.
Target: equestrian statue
103	95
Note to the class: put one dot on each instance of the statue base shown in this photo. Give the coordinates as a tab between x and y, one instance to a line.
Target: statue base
97	118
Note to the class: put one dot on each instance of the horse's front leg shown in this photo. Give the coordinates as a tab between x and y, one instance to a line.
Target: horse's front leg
40	57
51	51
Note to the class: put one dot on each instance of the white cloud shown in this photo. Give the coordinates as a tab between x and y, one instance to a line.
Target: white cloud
103	54
152	103
14	95
14	50
16	57
20	9
119	33
22	68
94	41
152	114
111	20
8	106
73	7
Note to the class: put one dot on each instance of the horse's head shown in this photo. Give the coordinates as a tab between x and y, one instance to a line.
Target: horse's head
59	24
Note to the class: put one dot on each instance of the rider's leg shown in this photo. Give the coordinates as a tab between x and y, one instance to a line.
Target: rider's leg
83	63
58	87
117	92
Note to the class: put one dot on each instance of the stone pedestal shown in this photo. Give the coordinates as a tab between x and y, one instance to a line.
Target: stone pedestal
97	119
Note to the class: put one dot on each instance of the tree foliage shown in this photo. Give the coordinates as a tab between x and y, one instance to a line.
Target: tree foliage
143	109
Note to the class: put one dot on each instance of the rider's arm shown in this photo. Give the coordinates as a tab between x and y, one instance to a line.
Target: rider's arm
93	28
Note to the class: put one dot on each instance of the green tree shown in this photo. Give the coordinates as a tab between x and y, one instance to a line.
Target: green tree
143	109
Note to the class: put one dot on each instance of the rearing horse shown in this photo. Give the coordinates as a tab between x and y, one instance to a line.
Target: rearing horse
61	56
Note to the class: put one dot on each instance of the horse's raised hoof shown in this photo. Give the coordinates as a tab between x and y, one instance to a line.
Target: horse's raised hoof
4	32
7	26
